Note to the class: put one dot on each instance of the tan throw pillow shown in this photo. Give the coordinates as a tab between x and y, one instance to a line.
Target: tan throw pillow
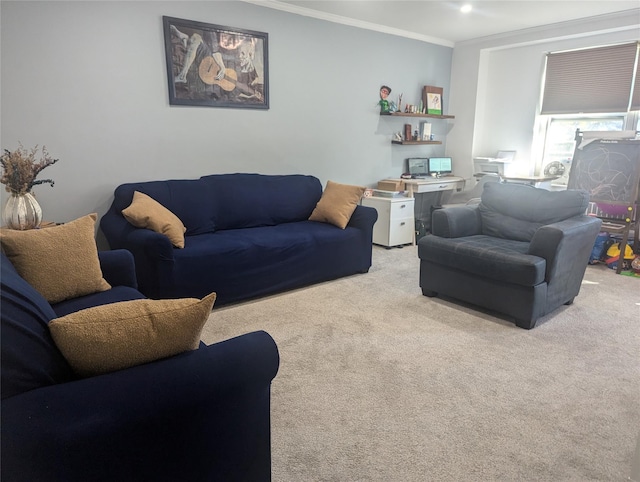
111	337
146	212
60	262
337	204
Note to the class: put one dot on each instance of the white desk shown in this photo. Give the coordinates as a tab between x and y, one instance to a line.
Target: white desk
431	185
434	184
543	182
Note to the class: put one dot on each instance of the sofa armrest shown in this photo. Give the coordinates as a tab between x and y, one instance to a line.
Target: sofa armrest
566	247
121	234
118	267
456	221
201	415
364	217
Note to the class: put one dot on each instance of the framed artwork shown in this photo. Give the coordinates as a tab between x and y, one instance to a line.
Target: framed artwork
215	66
434	104
432	99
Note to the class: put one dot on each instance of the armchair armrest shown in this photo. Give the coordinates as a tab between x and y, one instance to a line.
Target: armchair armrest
566	247
456	221
201	415
118	268
565	242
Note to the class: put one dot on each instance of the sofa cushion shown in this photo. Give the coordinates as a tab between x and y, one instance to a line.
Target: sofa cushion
120	335
253	200
60	262
114	295
516	211
250	262
29	356
146	212
499	259
337	204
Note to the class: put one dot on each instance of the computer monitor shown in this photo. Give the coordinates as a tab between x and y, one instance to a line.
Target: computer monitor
440	165
418	166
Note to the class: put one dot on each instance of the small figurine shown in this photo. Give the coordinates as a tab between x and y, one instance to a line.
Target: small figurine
384	103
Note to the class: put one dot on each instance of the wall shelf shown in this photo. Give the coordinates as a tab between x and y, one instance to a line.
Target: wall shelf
432	116
416	143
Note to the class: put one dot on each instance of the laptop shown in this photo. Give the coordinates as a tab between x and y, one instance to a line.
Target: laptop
418	167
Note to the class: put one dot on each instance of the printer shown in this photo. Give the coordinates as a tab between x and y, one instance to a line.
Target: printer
502	165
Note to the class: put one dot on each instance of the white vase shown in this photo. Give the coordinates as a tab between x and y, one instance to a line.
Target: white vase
22	211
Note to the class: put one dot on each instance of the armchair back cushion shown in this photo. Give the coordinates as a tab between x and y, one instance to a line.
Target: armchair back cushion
511	211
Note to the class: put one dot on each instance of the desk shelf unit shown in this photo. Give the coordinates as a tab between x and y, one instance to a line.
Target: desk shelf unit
395	225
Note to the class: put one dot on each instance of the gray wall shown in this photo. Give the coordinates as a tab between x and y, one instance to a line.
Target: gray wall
88	81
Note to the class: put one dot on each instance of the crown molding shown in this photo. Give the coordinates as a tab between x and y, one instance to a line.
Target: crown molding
307	12
626	20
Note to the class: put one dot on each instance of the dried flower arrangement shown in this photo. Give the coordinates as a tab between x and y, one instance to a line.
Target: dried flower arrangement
20	169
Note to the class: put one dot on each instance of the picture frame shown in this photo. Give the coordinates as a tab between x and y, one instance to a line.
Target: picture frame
196	53
432	99
434	103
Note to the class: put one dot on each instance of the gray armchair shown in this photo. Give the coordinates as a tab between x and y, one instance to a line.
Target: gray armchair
521	252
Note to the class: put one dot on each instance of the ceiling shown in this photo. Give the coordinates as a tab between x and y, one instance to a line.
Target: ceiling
441	22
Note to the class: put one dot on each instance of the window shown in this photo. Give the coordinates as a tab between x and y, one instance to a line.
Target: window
587	89
590	80
559	138
559	144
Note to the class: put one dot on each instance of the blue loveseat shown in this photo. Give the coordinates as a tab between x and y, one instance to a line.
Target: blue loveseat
247	235
200	415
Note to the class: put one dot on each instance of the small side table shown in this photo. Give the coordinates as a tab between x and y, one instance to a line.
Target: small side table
395	225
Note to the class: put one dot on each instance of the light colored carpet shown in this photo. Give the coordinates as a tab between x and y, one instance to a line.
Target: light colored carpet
379	383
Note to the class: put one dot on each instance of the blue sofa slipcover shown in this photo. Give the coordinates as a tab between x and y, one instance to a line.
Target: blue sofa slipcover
200	415
248	235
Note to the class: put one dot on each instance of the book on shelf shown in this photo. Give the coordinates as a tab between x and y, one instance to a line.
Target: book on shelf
407	132
425	131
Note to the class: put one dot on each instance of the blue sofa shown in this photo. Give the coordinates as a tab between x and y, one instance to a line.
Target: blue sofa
200	415
248	235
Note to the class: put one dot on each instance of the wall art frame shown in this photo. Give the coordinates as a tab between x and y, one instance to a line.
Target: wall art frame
196	54
432	99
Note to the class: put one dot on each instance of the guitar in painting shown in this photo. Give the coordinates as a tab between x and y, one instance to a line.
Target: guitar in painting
208	72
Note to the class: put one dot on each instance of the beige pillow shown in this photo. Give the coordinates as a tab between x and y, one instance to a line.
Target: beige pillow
337	204
146	212
111	337
60	262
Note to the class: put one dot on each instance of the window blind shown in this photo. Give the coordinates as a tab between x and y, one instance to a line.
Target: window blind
635	97
587	81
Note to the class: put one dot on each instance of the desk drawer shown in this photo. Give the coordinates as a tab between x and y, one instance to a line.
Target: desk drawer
401	210
395	224
400	232
435	187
